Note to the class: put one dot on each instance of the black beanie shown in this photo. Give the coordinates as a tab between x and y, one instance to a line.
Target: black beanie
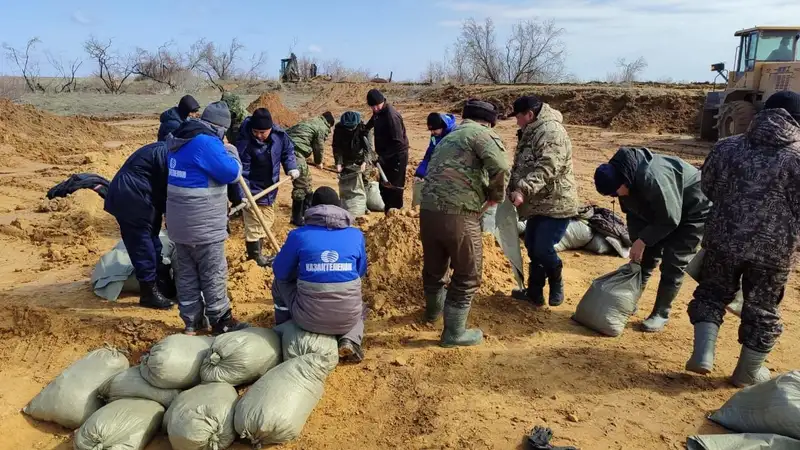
374	97
527	103
329	118
261	120
479	110
788	100
187	105
325	195
435	122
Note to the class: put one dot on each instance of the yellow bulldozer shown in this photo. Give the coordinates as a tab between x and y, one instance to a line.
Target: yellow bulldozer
767	60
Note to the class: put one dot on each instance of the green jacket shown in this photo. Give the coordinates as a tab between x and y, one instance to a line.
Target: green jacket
468	168
309	138
238	114
543	168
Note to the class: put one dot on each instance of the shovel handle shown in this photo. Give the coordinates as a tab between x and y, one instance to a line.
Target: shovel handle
251	203
258	196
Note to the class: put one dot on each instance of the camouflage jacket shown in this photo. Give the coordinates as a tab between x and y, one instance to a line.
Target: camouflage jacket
309	138
543	168
468	168
238	114
753	182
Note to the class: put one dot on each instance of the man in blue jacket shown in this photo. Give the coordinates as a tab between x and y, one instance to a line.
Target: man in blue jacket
137	198
172	118
200	168
263	147
318	275
440	125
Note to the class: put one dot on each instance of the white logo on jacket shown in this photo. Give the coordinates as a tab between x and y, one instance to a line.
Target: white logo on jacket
173	172
329	256
329	264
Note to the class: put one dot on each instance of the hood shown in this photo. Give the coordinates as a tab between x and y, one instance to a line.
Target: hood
627	161
190	129
773	128
548	114
328	216
449	122
171	114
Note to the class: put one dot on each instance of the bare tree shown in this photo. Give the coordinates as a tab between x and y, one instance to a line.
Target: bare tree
113	69
66	73
336	69
305	64
460	70
435	72
478	47
27	64
220	65
628	72
164	66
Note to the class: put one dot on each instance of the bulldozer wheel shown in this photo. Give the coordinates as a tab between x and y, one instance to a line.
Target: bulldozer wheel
734	118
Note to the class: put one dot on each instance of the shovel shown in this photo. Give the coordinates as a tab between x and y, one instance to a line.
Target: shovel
385	181
258	196
251	203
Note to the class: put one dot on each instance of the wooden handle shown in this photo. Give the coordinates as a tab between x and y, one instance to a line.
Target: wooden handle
251	203
258	196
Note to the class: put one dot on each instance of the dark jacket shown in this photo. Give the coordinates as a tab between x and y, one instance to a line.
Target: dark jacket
261	161
450	124
138	191
753	180
80	181
390	132
351	147
170	121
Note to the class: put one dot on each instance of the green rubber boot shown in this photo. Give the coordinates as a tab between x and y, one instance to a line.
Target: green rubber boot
455	332
434	304
705	342
750	370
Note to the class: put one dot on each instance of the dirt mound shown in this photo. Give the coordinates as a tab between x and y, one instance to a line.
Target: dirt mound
281	115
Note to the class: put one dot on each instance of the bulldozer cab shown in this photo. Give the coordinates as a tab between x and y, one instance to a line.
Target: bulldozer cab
762	45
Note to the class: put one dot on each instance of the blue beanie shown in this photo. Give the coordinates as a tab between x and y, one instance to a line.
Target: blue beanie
607	180
350	119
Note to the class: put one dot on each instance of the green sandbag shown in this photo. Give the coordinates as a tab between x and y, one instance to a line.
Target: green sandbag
353	194
296	341
241	357
742	442
202	418
128	424
506	233
611	300
131	384
174	362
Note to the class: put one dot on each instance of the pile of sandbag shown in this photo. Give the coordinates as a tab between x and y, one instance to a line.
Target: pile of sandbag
358	195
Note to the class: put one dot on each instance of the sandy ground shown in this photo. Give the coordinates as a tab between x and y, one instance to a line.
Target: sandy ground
537	367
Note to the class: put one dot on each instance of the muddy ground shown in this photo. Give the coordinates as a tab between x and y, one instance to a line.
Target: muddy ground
537	367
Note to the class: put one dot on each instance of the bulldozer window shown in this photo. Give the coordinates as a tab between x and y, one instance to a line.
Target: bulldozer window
776	46
747	53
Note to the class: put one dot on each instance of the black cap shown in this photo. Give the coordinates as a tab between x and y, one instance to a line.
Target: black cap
325	195
329	118
479	110
435	121
788	100
187	105
261	119
527	103
374	97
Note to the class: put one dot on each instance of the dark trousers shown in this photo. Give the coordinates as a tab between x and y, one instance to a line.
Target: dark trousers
541	235
763	289
394	167
143	245
454	241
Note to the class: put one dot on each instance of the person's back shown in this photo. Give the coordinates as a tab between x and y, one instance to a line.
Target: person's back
170	120
141	182
309	136
351	146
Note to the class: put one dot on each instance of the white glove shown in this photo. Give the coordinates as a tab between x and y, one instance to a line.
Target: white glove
294	173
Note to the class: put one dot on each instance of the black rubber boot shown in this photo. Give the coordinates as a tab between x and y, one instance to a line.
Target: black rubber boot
164	281
705	342
556	282
434	304
297	213
150	297
226	324
254	254
455	332
659	317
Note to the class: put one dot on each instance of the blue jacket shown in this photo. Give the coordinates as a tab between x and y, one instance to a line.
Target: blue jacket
261	161
450	124
327	259
170	121
138	192
200	168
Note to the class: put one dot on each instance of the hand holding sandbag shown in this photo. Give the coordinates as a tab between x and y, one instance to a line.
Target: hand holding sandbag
202	418
241	357
123	424
174	362
131	384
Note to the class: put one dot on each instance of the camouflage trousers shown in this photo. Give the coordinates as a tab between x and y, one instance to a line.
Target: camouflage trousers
763	290
301	187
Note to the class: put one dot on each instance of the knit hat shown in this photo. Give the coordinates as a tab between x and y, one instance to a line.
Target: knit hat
217	114
325	195
435	122
350	119
329	118
261	119
479	110
187	105
607	180
788	100
527	103
374	97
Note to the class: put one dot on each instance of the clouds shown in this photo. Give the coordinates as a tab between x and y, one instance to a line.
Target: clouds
80	18
314	48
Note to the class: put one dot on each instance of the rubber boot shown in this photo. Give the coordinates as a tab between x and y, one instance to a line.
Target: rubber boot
254	254
554	278
150	297
201	324
705	343
350	352
297	213
455	332
535	291
226	324
434	304
659	317
750	370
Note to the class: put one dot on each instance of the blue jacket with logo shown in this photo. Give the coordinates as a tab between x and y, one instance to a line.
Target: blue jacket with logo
450	124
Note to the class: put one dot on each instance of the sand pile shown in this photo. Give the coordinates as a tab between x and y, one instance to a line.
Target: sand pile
281	115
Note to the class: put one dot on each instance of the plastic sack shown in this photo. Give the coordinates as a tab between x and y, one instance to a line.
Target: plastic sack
174	362
353	194
72	397
241	357
744	441
416	193
296	341
275	409
694	269
489	219
506	233
124	424
769	407
131	384
599	245
578	235
374	200
611	300
202	418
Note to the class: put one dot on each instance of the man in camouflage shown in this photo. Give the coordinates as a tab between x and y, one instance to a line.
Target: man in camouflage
542	187
309	139
751	236
238	114
467	173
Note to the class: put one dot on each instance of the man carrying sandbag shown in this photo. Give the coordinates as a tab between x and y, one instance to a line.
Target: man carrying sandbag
543	189
752	238
308	138
666	212
318	275
453	198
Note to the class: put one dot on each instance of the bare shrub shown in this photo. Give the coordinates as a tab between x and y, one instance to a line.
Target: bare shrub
221	66
435	72
336	69
627	72
113	68
66	71
27	64
165	66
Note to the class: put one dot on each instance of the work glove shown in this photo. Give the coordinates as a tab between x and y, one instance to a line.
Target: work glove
294	173
339	168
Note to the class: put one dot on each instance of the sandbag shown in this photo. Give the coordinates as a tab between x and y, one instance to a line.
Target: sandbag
578	234
611	300
353	194
128	424
769	407
202	418
599	245
416	194
296	341
174	362
745	441
506	234
619	247
131	384
374	200
694	269
488	219
241	357
72	397
275	409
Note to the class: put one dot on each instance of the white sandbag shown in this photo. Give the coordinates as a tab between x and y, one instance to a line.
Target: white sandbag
202	418
128	424
611	300
131	384
174	362
416	194
744	441
506	233
275	409
241	357
578	235
694	269
619	247
353	194
769	407
296	341
488	219
72	397
521	225
599	245
374	200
